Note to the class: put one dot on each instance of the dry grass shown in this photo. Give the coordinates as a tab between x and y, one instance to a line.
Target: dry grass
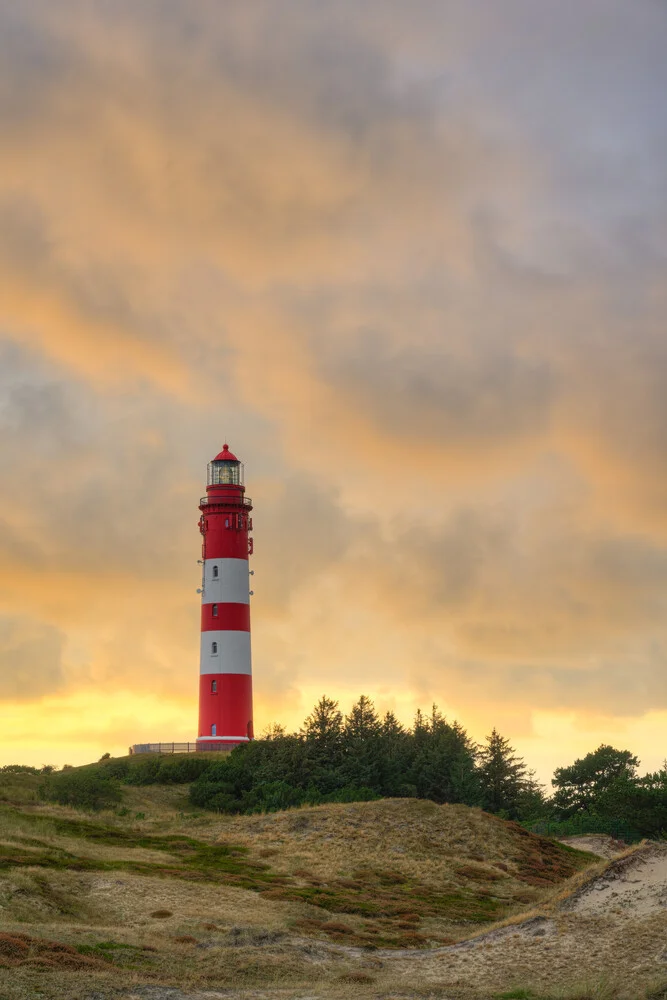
391	864
308	896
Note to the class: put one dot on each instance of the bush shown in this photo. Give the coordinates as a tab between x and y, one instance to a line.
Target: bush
577	826
114	768
83	789
179	769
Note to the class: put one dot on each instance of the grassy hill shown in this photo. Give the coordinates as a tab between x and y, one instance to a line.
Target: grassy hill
154	893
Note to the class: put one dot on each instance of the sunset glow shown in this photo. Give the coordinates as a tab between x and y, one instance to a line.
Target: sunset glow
409	260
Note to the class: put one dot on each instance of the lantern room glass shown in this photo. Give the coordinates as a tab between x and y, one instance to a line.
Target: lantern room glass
224	473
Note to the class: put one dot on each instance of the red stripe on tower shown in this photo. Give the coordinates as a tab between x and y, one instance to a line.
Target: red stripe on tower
225	683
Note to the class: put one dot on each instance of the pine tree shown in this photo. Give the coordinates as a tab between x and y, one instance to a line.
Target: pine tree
443	760
503	776
420	728
362	723
391	728
362	746
274	731
322	734
324	725
395	749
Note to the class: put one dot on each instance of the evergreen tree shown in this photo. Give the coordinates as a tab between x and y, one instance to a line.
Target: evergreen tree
323	735
420	728
638	805
396	743
274	731
391	728
362	723
443	765
362	746
504	779
324	725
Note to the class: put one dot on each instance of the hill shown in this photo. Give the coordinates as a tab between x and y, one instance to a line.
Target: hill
392	897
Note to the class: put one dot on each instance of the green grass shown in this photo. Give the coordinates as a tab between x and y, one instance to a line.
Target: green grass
124	956
187	858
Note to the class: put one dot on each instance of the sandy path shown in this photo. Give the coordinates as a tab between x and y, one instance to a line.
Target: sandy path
635	885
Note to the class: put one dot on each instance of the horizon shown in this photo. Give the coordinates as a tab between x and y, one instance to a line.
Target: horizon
410	265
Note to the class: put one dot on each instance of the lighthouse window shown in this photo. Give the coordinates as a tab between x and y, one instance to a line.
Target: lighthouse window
224	473
214	648
215	572
226	522
214	610
214	687
214	730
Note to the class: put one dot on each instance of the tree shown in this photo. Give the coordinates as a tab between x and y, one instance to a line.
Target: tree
443	763
324	725
580	786
362	723
504	777
362	748
274	731
391	728
322	734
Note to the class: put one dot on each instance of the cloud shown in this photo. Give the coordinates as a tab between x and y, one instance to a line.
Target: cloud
411	263
31	659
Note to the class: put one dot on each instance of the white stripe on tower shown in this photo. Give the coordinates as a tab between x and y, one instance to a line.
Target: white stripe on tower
231	585
225	652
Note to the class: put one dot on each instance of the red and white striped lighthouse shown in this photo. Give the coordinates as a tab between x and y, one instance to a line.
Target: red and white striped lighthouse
225	681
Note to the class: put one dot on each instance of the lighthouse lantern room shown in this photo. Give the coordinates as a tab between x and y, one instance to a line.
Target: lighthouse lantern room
225	681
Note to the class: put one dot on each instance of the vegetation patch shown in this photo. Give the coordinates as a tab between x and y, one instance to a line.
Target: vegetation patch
119	954
22	949
188	858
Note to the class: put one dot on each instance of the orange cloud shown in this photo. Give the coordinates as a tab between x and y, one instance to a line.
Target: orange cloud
390	258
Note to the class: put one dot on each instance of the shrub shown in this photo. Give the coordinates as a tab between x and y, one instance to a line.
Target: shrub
178	769
83	789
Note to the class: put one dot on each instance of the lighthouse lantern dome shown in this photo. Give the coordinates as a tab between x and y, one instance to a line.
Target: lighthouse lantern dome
225	469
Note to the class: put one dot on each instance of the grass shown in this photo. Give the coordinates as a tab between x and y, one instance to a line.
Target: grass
455	894
599	989
143	894
452	868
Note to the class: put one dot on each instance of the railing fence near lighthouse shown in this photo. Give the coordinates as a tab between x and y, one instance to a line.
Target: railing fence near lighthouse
199	747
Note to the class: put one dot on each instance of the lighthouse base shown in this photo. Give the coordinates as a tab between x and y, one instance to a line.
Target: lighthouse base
225	708
216	745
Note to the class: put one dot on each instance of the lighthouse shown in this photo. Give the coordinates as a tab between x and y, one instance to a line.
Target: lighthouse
225	675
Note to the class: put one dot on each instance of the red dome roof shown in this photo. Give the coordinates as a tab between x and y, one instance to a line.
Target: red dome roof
225	455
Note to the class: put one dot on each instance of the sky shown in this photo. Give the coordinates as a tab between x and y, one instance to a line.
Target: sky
409	260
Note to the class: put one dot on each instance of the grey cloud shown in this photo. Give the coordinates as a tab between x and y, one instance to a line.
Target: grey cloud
302	534
452	218
30	659
556	617
97	476
450	396
627	685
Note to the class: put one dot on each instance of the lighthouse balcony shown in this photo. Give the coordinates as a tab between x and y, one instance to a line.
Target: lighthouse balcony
242	502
